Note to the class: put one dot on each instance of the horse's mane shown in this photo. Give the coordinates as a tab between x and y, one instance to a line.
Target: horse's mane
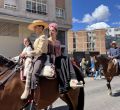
103	57
6	61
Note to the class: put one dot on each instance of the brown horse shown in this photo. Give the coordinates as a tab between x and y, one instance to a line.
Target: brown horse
110	69
45	95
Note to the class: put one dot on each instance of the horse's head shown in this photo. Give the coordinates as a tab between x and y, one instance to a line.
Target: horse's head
102	60
5	61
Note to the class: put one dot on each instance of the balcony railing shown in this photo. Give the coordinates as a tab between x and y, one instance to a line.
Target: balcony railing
8	6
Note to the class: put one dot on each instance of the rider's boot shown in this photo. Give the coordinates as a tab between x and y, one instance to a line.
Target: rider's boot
25	94
27	87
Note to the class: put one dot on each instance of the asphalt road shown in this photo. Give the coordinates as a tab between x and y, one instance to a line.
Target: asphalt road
96	96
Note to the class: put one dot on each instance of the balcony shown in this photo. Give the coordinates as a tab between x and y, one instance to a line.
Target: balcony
11	7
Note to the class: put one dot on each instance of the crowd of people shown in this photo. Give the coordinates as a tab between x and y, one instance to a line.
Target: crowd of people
89	69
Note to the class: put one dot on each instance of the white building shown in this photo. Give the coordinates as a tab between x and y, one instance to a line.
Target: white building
15	15
114	32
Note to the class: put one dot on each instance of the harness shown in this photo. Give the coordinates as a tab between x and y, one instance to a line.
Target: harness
9	76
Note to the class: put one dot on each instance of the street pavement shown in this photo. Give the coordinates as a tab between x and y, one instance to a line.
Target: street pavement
96	96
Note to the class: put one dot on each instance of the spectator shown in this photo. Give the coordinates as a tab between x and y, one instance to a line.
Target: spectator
98	72
84	66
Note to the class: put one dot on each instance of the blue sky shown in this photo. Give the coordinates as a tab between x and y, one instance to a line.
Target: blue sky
95	14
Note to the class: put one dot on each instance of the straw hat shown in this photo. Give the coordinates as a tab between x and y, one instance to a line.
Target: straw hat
36	23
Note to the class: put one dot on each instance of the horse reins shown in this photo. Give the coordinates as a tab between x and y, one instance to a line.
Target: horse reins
7	70
5	79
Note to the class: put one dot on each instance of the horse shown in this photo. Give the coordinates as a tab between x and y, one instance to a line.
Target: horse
110	69
48	91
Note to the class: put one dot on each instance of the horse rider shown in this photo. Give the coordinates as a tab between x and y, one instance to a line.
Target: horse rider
27	47
55	53
60	61
39	53
25	60
114	52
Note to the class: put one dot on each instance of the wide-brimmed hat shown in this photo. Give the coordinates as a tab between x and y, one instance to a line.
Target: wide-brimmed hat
113	42
36	23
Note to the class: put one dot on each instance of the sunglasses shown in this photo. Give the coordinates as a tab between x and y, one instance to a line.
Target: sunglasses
40	26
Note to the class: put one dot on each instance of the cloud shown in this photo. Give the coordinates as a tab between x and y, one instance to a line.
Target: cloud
100	25
118	6
116	23
87	18
100	14
75	20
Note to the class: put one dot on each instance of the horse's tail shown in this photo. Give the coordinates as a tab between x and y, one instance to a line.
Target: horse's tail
80	105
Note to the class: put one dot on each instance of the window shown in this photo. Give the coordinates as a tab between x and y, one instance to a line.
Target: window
74	50
116	29
117	35
74	45
36	6
10	4
60	13
109	30
74	40
91	41
9	29
61	36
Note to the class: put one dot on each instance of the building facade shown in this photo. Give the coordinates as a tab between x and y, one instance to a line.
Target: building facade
15	15
87	41
112	34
